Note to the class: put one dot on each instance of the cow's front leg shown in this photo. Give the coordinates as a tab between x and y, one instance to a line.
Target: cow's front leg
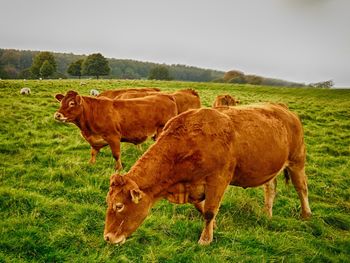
214	192
200	207
114	143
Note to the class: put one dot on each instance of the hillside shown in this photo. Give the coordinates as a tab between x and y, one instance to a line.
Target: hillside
53	202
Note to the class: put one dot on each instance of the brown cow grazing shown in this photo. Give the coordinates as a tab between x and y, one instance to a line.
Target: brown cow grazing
200	153
225	100
114	93
103	121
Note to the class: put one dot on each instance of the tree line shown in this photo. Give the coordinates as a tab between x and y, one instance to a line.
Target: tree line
20	64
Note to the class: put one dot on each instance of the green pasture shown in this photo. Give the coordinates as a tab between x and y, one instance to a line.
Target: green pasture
52	202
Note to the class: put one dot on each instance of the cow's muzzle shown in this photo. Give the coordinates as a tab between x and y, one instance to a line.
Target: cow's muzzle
60	117
110	238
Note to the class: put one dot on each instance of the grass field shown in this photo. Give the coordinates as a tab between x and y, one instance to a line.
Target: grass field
53	202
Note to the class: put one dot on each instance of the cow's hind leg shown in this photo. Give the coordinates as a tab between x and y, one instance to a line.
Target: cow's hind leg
214	192
299	180
269	195
94	151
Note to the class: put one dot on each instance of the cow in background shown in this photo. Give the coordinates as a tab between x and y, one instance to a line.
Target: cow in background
103	121
225	100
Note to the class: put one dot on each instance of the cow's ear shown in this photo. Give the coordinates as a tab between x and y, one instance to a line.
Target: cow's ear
117	180
78	99
59	97
136	195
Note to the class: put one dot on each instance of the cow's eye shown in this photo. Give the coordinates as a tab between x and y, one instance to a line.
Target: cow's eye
71	104
118	207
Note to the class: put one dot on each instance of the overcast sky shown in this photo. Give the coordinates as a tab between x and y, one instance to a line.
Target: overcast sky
297	40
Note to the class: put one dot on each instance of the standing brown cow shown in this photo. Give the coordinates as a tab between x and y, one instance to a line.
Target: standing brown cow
200	153
103	121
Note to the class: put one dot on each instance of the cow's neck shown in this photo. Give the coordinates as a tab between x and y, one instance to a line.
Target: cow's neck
82	121
153	171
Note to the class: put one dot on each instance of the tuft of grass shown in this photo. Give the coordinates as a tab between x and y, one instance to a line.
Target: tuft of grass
52	202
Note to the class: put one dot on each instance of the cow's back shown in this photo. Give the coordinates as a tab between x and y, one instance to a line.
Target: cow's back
267	138
257	140
134	95
204	143
140	117
114	93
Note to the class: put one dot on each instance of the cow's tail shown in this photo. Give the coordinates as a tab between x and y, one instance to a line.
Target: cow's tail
286	176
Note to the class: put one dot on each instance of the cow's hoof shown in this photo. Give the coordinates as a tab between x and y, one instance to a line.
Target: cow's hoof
306	215
118	167
204	242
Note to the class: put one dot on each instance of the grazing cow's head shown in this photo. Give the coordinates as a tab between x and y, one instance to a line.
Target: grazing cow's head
128	206
225	100
70	106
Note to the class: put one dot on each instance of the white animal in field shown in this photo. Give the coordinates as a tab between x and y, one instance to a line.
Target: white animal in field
25	91
94	92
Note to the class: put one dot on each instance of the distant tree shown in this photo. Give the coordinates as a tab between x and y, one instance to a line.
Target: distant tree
234	76
205	76
3	74
323	84
95	65
9	72
38	62
253	79
129	73
75	68
25	74
116	72
159	72
10	57
26	59
47	69
59	75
